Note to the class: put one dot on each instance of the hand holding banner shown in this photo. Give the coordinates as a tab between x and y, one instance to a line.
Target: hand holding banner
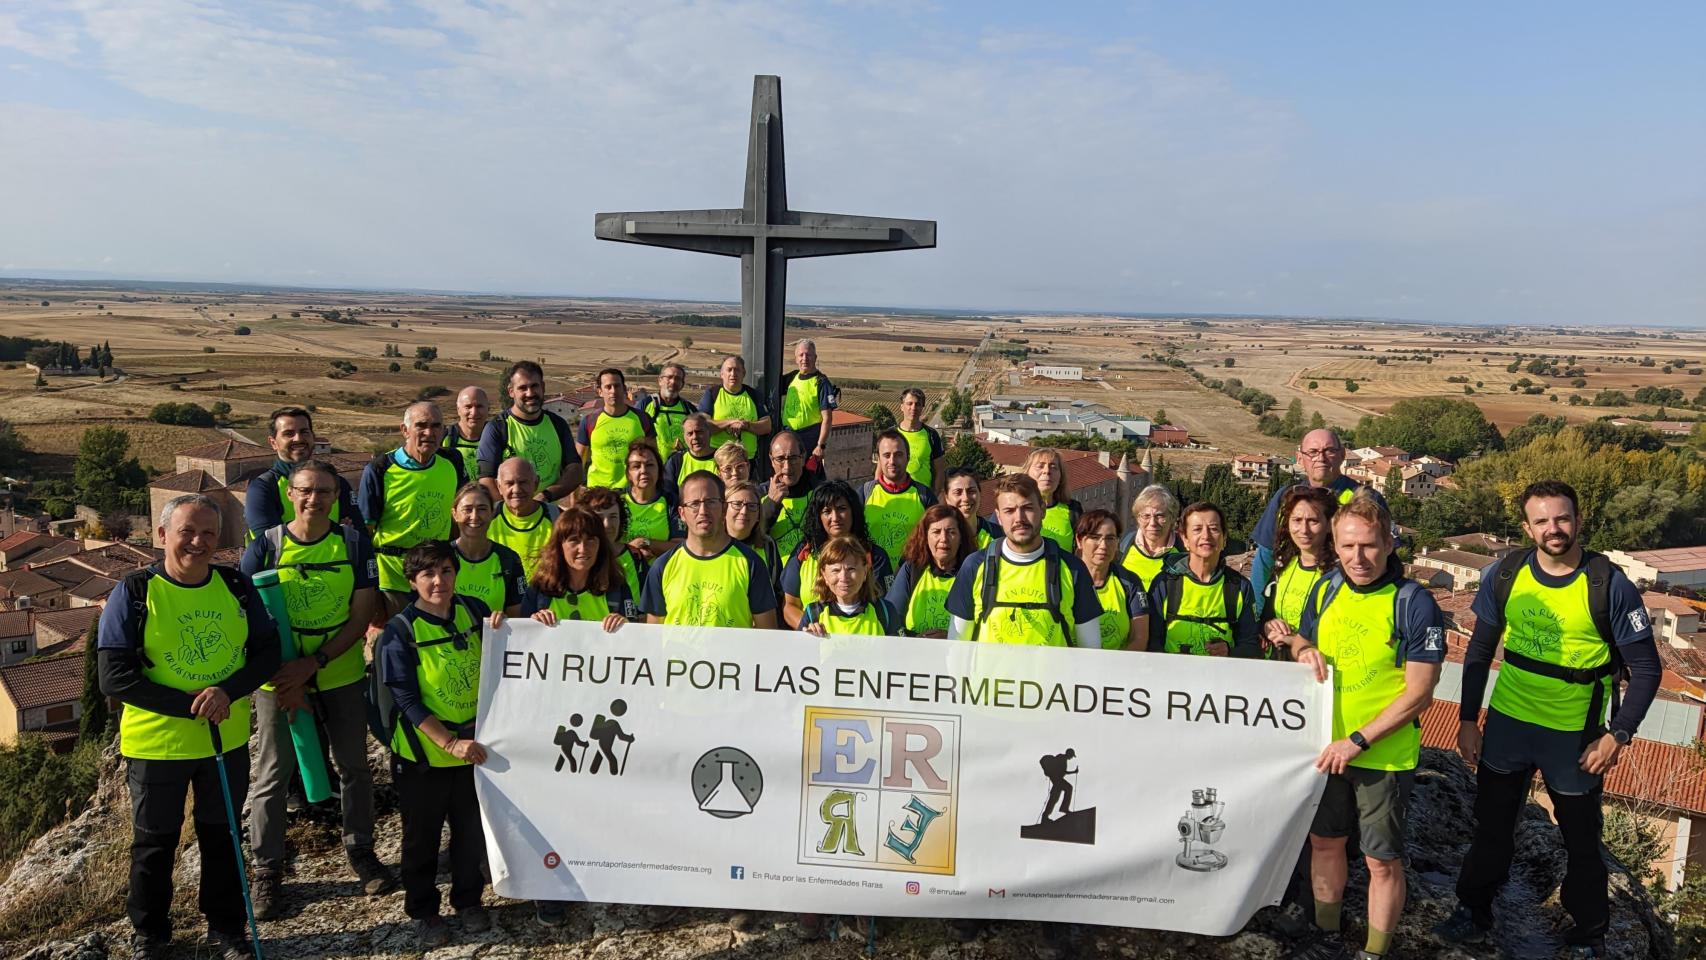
888	776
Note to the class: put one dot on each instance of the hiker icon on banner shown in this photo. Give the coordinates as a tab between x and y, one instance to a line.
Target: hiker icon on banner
601	738
1069	826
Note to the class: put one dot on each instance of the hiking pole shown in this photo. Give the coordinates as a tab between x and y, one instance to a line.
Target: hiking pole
236	840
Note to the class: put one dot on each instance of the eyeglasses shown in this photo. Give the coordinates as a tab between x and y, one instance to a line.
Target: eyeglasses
1102	538
700	506
314	491
742	506
1152	518
1322	453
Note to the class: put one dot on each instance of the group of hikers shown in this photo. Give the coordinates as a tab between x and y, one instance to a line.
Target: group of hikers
719	514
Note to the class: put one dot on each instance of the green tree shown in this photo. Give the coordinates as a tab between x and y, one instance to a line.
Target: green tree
426	353
1292	422
965	451
1443	426
1351	386
1635	518
882	418
1314	384
96	723
13	453
1230	361
103	473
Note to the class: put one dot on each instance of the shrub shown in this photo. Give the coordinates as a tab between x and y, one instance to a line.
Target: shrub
40	789
241	331
207	350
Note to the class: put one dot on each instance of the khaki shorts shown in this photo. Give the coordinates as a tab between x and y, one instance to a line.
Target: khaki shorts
1375	801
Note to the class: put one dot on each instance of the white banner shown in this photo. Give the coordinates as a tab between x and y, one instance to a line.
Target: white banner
894	777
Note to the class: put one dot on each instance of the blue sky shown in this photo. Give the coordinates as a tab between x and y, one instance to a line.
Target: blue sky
1515	162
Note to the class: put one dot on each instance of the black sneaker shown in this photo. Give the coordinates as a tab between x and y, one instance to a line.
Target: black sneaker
475	919
266	895
148	947
230	945
1291	920
1328	945
551	913
1462	927
432	933
375	878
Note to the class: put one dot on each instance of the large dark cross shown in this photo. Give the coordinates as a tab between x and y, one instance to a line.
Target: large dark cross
765	235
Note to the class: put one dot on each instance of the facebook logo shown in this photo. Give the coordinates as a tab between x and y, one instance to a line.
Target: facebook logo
737	873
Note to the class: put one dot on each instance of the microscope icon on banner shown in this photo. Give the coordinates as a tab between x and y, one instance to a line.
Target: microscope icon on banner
1199	830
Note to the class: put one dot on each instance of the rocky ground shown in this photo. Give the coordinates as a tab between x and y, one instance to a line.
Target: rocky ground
64	901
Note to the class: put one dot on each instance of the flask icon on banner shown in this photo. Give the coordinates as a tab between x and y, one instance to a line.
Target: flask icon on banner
727	783
1199	830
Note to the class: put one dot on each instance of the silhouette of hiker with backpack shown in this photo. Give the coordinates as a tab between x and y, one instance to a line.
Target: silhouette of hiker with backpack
1055	767
606	731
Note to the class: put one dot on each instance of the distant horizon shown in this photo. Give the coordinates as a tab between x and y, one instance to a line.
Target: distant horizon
215	286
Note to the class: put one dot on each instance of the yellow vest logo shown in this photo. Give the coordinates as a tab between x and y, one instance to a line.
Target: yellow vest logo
1536	632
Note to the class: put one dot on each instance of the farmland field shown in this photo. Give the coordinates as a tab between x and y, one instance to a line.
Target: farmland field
257	350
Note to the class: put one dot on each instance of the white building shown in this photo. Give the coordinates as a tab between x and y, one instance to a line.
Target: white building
1057	372
1676	566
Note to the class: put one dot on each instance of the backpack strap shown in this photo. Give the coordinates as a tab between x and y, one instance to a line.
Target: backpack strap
136	591
1401	606
1505	579
885	617
1051	575
1231	592
1599	569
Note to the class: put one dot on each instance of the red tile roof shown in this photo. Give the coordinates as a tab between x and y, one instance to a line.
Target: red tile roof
43	682
25	583
74	620
1647	771
16	623
1664	601
226	450
53	552
94	588
23	543
190	481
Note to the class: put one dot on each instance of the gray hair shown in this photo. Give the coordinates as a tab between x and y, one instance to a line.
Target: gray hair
409	411
1157	495
807	342
189	500
700	417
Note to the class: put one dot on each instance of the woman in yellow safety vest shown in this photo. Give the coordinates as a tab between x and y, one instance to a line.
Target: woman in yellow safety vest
1151	543
1199	604
833	511
1303	554
485	569
1060	512
577	577
1125	608
744	517
606	504
929	562
847	600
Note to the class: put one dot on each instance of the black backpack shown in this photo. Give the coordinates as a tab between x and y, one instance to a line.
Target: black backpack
1173	592
1051	577
885	615
1598	568
1408	590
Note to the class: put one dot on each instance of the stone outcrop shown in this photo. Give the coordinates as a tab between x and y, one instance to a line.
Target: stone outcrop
327	916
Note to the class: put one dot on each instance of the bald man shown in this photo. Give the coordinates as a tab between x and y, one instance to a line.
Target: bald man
522	521
462	438
1321	460
406	495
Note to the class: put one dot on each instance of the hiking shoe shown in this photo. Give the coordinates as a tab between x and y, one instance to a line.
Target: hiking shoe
740	921
375	878
1291	920
148	947
432	933
965	930
1585	951
1462	927
1327	945
809	926
266	895
475	919
551	913
229	945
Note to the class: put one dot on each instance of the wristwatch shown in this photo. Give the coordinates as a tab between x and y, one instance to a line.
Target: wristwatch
321	658
1621	736
1357	738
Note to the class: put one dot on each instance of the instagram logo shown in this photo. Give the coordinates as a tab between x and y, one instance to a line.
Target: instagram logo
912	888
